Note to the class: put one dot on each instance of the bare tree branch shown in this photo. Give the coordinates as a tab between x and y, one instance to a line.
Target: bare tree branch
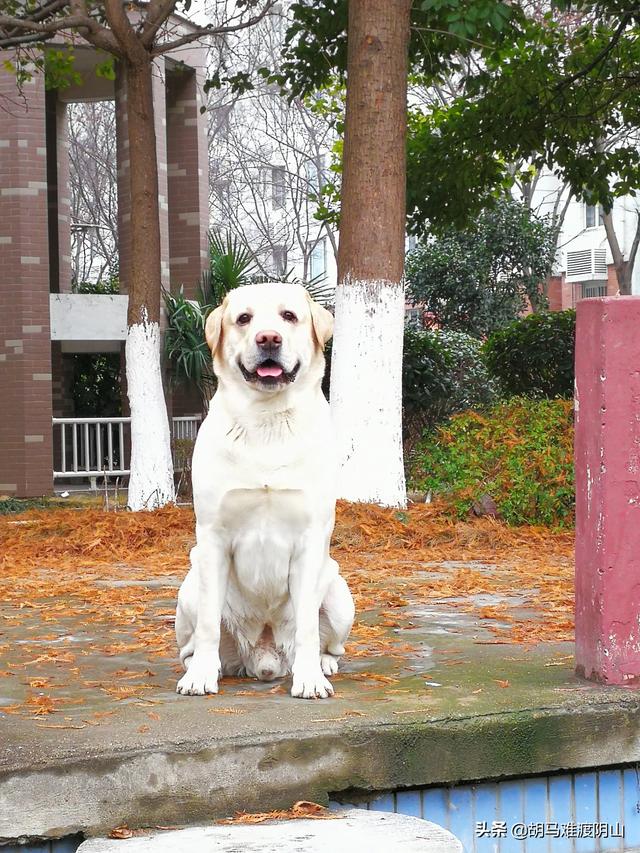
126	37
157	13
636	242
213	30
95	33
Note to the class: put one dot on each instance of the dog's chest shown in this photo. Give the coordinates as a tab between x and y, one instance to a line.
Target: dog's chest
264	528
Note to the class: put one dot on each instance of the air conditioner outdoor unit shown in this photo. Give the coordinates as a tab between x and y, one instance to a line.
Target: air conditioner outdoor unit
587	265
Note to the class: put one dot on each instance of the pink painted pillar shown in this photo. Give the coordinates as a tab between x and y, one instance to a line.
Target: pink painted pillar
607	460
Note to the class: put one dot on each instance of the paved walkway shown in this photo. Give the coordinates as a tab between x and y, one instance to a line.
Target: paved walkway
92	734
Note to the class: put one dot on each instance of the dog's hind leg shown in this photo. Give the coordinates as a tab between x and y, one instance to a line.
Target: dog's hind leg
231	662
336	618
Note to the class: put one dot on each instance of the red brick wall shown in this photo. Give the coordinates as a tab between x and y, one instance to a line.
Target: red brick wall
564	294
25	340
187	165
188	187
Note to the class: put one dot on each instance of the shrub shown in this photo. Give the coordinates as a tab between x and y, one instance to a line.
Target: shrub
96	384
534	356
482	277
443	373
519	453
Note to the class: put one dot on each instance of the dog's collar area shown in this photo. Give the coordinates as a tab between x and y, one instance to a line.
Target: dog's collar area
269	380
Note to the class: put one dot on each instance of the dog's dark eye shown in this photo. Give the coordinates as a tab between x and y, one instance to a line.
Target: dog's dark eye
243	319
289	316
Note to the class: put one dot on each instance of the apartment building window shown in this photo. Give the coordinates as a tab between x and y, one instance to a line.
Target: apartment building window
278	188
318	259
594	215
279	258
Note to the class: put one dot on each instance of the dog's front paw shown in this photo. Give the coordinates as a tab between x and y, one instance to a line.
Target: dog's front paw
328	664
198	680
311	685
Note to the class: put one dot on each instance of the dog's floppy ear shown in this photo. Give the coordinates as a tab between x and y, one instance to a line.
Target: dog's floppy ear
322	321
213	327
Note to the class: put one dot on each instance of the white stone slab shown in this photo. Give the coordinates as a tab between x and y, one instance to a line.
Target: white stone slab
355	830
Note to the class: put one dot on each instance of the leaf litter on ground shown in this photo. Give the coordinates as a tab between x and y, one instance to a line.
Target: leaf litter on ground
118	572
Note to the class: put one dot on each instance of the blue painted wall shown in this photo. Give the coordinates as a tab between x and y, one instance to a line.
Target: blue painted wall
574	813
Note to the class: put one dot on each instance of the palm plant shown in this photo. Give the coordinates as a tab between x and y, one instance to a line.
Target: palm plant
185	344
231	264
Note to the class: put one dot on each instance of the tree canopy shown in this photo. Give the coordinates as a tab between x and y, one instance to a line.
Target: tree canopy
557	88
481	278
564	96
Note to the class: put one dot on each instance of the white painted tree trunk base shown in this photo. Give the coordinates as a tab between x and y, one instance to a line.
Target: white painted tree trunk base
366	391
151	479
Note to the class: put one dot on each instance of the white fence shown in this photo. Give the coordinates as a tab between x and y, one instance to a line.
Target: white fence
99	447
186	427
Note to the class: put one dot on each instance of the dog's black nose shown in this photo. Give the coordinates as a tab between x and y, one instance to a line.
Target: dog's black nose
268	340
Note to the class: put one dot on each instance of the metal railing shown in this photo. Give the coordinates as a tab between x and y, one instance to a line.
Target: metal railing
185	427
587	290
99	447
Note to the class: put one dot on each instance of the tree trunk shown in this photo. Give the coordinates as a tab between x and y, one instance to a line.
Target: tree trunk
366	370
151	481
623	272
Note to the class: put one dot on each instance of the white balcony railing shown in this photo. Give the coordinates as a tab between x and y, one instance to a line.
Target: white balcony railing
186	427
99	447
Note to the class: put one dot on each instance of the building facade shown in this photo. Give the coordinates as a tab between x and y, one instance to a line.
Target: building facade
584	265
43	321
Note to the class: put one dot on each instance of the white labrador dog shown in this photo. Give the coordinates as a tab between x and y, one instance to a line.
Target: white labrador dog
263	596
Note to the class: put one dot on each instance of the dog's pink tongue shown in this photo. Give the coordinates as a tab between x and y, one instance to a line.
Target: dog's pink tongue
269	370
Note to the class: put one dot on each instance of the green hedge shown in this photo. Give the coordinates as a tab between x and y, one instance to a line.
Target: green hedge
443	372
534	356
519	453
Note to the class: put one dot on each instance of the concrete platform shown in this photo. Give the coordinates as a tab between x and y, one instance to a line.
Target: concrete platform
116	745
346	832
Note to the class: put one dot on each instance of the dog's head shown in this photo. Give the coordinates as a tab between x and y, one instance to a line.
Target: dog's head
269	336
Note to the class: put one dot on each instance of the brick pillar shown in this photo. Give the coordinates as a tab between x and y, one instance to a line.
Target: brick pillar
188	180
64	197
188	172
59	194
25	339
607	460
